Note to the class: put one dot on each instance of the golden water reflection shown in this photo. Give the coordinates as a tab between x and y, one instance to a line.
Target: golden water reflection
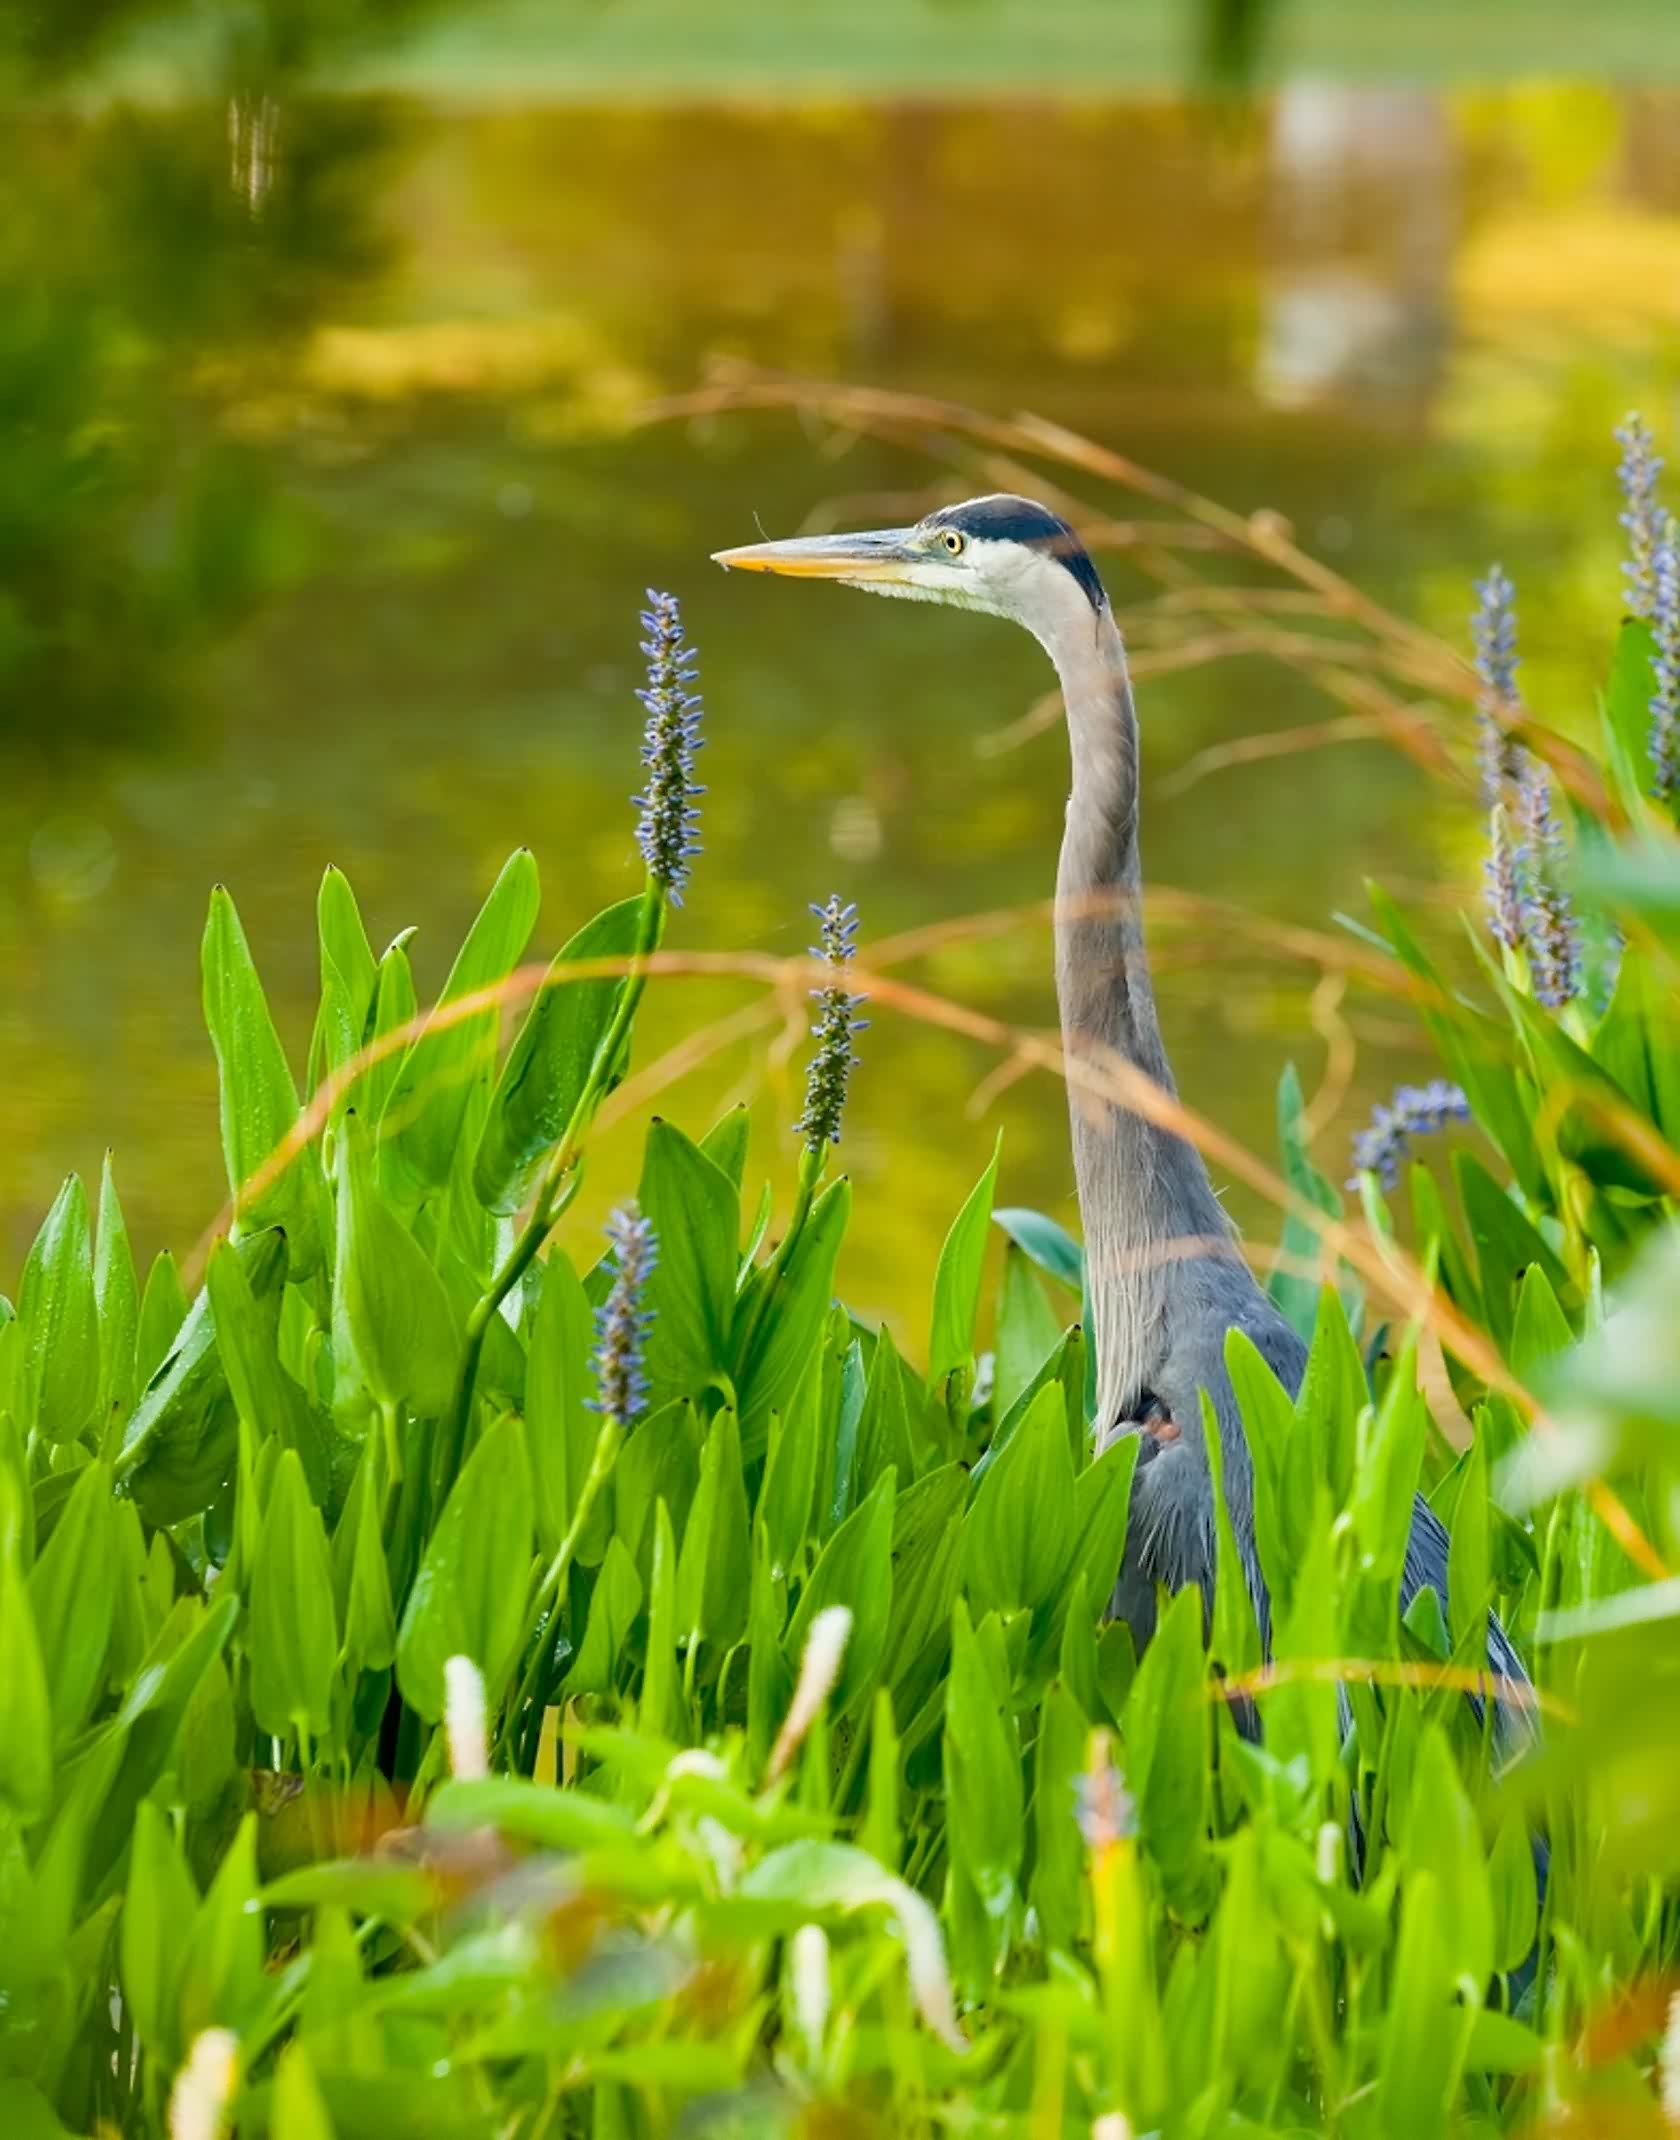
326	529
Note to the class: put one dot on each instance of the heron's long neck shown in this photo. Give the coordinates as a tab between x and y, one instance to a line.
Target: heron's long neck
1144	1194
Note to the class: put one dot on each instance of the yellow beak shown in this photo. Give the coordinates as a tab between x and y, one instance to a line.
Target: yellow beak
885	554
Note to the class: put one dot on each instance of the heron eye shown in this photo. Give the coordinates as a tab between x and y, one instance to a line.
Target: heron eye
954	542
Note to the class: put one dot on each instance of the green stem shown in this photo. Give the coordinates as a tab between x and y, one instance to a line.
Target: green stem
601	1464
554	1193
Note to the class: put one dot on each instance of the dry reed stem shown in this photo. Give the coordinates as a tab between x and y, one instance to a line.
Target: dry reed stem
935	427
1388	1672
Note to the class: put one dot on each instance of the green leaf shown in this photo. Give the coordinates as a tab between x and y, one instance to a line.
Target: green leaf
1442	1835
790	1472
181	1442
393	1322
1292	1284
349	973
1505	1244
714	1573
56	1371
1234	1635
1043	1242
299	2108
1018	1536
259	1101
293	1636
147	1727
1059	1856
1300	1715
362	1577
1027	1331
660	1461
1333	1392
613	1606
395	1007
883	1428
1513	1894
1627	702
26	1766
72	1592
384	1888
223	1981
1469	1582
660	1706
116	1293
1477	1053
1281	1529
835	1877
855	1570
549	1063
264	1395
1540	1332
1167	1740
696	1217
1386	1474
985	1813
772	1355
469	1596
956	1282
1500	2045
163	1309
529	1813
1101	1500
422	1119
158	1912
725	1144
561	1429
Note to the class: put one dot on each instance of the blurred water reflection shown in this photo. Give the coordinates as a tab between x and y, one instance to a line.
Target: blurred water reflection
321	538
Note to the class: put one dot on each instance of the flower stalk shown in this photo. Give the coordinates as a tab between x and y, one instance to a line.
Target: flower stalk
1641	517
665	827
827	1081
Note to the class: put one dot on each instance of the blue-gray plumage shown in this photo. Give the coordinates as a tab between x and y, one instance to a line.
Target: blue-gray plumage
1165	1279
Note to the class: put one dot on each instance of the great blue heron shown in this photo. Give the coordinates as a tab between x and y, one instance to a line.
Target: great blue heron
1166	1280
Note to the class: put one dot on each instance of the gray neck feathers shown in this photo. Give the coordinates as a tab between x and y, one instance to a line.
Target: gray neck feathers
1144	1194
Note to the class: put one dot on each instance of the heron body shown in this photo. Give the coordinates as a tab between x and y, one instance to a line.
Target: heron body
1166	1282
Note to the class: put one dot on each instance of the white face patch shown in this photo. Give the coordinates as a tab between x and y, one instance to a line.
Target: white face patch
998	579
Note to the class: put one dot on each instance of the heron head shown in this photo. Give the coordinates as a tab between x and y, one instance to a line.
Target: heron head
1006	556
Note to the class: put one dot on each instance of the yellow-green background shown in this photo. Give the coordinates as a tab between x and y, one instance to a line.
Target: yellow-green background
322	534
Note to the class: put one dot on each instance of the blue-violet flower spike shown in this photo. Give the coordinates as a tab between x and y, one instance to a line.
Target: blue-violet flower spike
665	828
1506	869
835	1024
621	1322
1493	627
1414	1111
1665	662
1549	926
1637	473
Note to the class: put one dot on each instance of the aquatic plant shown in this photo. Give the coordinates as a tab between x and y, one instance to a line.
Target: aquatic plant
1412	1111
1493	627
1637	473
833	1060
668	816
391	1743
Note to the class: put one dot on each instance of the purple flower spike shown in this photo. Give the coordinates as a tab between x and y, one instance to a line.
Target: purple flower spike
621	1322
665	828
833	1028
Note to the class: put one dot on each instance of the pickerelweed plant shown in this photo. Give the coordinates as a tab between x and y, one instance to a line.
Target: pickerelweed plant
450	1688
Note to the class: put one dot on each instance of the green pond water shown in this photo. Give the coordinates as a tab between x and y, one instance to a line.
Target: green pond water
323	529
